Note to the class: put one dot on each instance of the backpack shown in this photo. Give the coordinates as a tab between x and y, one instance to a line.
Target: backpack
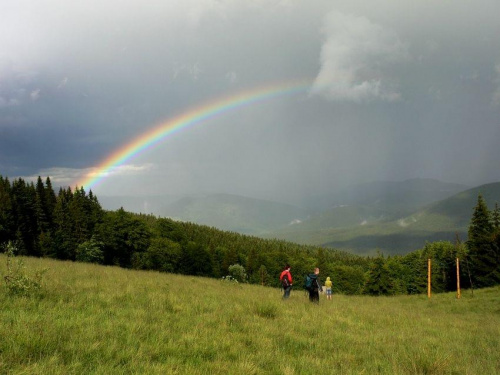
308	283
285	283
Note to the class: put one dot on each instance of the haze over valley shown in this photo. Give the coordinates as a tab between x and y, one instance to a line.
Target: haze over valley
392	217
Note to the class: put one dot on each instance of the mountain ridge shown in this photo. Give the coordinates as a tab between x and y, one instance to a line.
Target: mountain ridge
442	220
393	217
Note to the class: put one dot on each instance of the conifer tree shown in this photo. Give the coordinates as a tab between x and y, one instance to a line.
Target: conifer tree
251	262
123	235
41	208
195	260
483	253
50	202
480	226
379	281
7	221
230	258
24	208
217	256
496	218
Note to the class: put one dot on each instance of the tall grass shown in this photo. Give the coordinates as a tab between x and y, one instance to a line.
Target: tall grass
91	319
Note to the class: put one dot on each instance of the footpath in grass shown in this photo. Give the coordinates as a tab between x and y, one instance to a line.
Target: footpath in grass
105	320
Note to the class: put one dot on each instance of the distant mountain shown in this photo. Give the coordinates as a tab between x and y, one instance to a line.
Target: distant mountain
377	202
441	220
234	213
454	212
223	211
155	204
396	197
395	217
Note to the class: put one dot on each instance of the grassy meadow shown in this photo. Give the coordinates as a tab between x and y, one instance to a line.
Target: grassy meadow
91	319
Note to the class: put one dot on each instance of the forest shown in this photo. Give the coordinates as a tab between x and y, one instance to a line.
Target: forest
72	225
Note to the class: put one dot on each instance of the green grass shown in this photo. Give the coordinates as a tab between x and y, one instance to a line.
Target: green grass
104	320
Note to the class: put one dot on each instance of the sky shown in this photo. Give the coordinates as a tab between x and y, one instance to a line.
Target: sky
394	90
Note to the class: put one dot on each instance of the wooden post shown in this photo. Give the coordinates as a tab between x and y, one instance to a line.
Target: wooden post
458	278
429	278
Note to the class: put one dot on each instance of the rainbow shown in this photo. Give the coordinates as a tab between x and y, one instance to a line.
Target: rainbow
185	120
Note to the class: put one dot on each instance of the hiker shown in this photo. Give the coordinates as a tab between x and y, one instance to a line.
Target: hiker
313	285
328	286
286	281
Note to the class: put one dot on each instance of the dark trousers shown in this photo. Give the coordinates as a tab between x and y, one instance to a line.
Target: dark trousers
314	295
286	292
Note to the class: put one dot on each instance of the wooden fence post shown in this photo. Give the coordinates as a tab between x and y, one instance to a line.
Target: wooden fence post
458	278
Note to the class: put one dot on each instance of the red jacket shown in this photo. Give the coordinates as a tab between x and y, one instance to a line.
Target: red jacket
289	275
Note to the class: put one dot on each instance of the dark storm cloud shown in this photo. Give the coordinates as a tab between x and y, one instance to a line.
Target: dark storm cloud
398	90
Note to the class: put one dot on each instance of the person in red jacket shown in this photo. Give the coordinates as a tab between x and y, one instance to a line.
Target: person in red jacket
286	281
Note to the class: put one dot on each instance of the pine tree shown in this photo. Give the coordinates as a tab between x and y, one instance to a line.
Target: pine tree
41	207
123	235
251	263
195	260
50	203
484	252
496	218
24	208
480	226
7	221
230	258
379	281
64	245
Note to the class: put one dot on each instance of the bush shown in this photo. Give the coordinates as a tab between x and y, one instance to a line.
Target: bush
90	252
229	278
17	280
238	272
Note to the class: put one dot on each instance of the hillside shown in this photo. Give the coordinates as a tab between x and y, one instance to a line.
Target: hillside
91	319
437	221
395	198
234	213
152	204
394	217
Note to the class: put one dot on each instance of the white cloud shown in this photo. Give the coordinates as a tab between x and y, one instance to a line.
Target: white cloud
407	221
192	71
355	59
58	176
63	83
67	176
35	95
9	102
120	170
232	77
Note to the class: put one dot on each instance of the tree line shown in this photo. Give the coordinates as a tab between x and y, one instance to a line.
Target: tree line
72	225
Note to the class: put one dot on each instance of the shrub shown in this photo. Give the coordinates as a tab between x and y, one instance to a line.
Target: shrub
17	279
238	272
90	252
229	278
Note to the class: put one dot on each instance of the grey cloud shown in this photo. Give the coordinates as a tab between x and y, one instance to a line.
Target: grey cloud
402	88
35	94
8	102
356	59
